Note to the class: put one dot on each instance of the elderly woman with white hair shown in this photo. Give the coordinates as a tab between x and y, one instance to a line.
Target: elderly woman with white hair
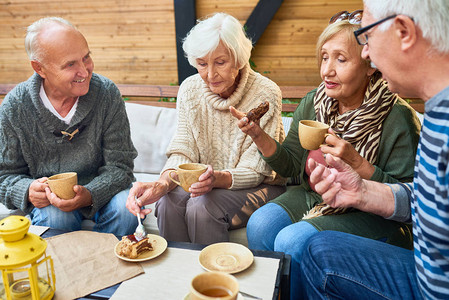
237	180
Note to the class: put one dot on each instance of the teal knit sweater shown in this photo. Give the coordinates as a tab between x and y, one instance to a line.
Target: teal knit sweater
31	145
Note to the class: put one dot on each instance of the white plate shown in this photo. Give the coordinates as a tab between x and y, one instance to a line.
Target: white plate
159	245
239	297
226	257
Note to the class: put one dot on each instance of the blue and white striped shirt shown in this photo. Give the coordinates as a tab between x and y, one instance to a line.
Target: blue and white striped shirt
430	200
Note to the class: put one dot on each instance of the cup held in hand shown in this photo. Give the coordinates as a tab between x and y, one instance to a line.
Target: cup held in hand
214	285
188	174
312	134
62	184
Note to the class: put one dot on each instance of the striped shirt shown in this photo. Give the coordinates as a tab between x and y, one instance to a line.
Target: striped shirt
430	200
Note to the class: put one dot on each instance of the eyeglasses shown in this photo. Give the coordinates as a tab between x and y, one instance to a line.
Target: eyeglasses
354	18
362	38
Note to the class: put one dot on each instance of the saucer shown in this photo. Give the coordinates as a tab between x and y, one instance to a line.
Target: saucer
226	257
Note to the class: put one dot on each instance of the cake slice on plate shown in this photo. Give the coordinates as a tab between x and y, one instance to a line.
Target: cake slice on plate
130	247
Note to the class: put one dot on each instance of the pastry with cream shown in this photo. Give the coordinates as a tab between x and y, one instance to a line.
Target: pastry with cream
130	247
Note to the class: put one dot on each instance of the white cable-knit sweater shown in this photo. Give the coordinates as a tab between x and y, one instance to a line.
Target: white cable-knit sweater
207	132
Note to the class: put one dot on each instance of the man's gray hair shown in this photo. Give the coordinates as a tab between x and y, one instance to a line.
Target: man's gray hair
430	15
205	36
32	46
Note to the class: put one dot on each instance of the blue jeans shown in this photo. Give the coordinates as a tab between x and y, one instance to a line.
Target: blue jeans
264	225
270	228
338	265
114	217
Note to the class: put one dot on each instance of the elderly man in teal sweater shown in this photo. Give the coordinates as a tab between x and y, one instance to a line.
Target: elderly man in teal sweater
66	118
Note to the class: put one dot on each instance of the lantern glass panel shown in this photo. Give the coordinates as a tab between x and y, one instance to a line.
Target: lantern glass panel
20	281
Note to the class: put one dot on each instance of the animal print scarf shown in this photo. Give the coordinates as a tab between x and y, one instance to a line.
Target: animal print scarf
362	127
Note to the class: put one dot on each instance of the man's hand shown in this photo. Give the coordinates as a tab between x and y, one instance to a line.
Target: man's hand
82	198
338	184
341	186
36	193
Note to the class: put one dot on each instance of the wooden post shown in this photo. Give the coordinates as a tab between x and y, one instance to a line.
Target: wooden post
260	17
185	19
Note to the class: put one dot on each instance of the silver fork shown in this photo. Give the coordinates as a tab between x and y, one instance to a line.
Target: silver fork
140	232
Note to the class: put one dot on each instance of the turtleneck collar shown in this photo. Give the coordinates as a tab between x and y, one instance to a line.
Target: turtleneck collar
247	77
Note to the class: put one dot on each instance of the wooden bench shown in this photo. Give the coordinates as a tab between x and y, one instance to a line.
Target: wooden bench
151	94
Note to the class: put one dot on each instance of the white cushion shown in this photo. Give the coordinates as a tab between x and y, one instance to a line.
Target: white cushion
146	177
151	131
287	122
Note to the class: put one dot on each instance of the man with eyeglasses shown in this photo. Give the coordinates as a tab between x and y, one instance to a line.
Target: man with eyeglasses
408	42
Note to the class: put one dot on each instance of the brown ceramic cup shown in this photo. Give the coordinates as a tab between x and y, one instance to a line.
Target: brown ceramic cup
214	285
188	174
62	184
312	134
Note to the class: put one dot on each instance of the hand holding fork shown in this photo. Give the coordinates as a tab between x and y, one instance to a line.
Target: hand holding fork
140	232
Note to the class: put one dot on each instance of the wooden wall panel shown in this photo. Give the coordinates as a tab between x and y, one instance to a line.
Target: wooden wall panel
133	41
287	47
286	50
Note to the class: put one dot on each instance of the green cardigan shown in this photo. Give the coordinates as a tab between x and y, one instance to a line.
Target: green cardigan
395	163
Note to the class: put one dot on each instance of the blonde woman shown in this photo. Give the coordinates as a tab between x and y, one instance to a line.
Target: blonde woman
374	131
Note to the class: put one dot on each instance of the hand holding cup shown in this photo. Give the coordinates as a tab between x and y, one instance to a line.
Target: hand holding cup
188	174
62	184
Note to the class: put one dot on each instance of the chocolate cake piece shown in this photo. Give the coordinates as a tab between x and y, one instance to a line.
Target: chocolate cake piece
130	247
256	113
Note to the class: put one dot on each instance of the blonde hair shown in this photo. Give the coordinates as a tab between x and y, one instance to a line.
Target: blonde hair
207	34
331	30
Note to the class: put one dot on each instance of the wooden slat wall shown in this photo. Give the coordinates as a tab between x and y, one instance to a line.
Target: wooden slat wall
133	41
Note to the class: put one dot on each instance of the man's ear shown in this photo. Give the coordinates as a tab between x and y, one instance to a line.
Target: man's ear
406	30
37	67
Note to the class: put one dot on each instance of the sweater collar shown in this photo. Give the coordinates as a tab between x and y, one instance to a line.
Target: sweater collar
85	103
247	77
